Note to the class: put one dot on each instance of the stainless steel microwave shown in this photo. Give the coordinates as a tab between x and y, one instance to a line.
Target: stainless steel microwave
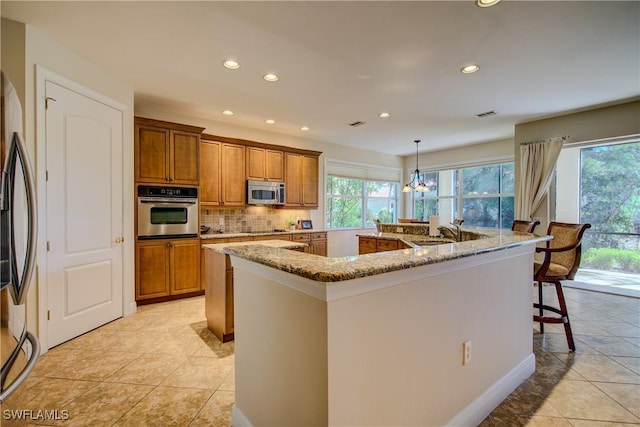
265	193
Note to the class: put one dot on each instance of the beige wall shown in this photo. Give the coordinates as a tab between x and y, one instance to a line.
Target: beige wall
594	124
27	44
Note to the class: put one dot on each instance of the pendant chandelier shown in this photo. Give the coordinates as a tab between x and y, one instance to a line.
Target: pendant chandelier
416	184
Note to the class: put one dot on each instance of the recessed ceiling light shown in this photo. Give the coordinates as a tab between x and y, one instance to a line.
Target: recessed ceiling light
231	64
384	115
270	77
227	113
468	69
487	3
304	128
269	121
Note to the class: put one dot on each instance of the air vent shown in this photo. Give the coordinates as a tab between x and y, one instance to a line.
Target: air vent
486	114
356	124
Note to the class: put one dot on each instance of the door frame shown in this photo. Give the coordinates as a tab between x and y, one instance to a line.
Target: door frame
128	298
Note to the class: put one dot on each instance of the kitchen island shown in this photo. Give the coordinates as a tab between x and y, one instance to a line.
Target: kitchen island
377	339
218	278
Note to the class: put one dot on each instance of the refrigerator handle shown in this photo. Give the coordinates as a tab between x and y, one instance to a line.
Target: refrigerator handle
26	370
20	292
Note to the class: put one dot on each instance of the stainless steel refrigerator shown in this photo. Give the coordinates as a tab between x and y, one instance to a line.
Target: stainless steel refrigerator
19	348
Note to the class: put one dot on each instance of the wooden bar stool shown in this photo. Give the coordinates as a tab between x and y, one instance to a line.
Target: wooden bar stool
524	226
561	261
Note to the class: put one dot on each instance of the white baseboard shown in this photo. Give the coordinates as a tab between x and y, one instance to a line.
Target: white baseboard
238	419
480	408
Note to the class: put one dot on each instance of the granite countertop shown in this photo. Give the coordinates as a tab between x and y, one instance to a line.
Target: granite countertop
324	269
281	244
250	234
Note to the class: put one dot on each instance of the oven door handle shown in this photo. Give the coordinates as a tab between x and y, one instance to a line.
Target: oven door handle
167	201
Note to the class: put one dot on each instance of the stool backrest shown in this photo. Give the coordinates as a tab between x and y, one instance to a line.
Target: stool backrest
566	234
524	226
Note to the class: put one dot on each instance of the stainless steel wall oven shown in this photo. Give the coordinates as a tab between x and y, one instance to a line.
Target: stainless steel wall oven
167	212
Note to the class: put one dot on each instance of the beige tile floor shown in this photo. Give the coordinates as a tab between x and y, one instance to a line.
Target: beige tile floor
162	367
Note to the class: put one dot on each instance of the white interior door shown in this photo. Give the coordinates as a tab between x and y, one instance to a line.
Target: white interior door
84	213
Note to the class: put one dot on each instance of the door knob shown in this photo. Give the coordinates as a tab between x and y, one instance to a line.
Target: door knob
119	239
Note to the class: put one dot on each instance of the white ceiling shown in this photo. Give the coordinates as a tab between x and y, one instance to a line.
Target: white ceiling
342	62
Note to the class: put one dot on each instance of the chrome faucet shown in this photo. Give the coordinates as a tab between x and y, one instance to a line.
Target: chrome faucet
458	231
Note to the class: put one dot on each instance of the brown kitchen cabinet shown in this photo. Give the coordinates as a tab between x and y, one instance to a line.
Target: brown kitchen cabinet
301	179
369	245
166	152
219	295
366	245
222	181
167	267
265	164
317	242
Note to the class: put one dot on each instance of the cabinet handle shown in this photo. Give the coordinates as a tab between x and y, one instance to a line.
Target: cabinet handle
119	239
169	245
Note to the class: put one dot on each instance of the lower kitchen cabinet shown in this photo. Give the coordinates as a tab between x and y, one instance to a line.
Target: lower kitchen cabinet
317	242
167	267
369	245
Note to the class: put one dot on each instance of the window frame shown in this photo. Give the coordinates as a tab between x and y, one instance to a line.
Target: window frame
458	195
364	197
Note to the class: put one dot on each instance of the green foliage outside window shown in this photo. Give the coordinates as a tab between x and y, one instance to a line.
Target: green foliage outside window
348	199
610	202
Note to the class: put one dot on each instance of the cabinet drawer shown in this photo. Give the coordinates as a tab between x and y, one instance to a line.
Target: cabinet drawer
318	236
387	245
300	237
366	245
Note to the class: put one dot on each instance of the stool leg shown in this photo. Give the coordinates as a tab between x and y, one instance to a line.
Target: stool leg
565	316
541	310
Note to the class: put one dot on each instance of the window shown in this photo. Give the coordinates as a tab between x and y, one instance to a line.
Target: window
481	195
355	203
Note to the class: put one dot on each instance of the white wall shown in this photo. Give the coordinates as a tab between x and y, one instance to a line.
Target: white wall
590	125
28	44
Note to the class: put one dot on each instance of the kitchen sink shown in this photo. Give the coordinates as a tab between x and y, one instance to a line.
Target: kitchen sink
431	242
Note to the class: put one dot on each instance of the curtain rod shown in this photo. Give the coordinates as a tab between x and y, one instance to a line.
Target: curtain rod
540	141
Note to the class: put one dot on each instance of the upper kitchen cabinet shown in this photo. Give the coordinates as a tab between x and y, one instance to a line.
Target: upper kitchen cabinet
301	180
265	164
166	152
222	173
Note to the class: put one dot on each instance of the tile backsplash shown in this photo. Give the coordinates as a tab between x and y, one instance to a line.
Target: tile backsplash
251	218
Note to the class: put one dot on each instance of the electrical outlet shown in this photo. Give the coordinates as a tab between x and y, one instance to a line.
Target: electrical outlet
399	229
221	221
466	352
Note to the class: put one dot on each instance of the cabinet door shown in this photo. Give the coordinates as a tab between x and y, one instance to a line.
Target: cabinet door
310	181
319	247
152	269
366	245
233	175
185	266
293	179
274	165
184	165
210	155
256	163
152	154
